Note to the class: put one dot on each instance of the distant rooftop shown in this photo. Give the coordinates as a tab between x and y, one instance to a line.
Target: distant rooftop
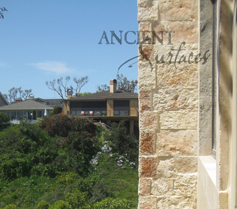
26	105
107	95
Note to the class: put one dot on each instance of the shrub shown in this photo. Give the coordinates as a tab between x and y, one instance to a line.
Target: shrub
123	143
84	124
57	125
3	118
42	205
61	125
3	121
57	110
110	203
12	206
14	168
81	148
60	205
78	200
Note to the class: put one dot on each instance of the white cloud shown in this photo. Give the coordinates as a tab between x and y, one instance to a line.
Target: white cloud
51	66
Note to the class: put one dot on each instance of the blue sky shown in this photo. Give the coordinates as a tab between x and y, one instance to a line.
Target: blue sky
42	40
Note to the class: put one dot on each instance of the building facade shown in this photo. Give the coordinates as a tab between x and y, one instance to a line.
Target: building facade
187	104
107	106
26	110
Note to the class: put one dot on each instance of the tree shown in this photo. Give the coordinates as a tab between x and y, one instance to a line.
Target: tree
3	120
61	87
101	88
2	9
123	84
80	83
57	110
126	85
14	92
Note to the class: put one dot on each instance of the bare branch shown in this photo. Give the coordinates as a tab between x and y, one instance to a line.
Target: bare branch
80	83
51	85
2	9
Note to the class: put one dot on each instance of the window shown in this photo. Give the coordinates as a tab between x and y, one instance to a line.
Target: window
19	115
121	107
13	115
25	115
30	115
40	113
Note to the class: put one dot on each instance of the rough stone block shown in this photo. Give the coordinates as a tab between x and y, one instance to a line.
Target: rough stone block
146	77
186	186
144	101
178	120
177	143
147	142
186	164
147	202
145	34
178	10
166	168
175	99
150	12
184	76
178	202
148	120
144	187
161	186
178	55
186	31
145	52
147	166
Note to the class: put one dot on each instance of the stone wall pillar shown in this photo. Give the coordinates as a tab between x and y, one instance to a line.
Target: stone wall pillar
168	103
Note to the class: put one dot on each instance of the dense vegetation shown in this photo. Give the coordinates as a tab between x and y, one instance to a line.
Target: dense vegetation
67	163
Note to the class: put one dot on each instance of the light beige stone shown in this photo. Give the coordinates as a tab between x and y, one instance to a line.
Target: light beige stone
178	10
144	187
166	168
175	99
186	164
148	120
144	101
185	185
147	202
161	186
144	3
177	143
165	48
186	31
178	120
148	13
146	74
173	202
184	76
145	33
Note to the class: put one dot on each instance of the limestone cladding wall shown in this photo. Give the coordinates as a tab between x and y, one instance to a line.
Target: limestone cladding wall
168	103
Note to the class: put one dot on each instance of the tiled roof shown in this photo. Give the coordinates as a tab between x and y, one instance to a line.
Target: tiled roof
107	95
26	105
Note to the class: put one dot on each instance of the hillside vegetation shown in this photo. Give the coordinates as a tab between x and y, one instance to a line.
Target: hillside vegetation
67	163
